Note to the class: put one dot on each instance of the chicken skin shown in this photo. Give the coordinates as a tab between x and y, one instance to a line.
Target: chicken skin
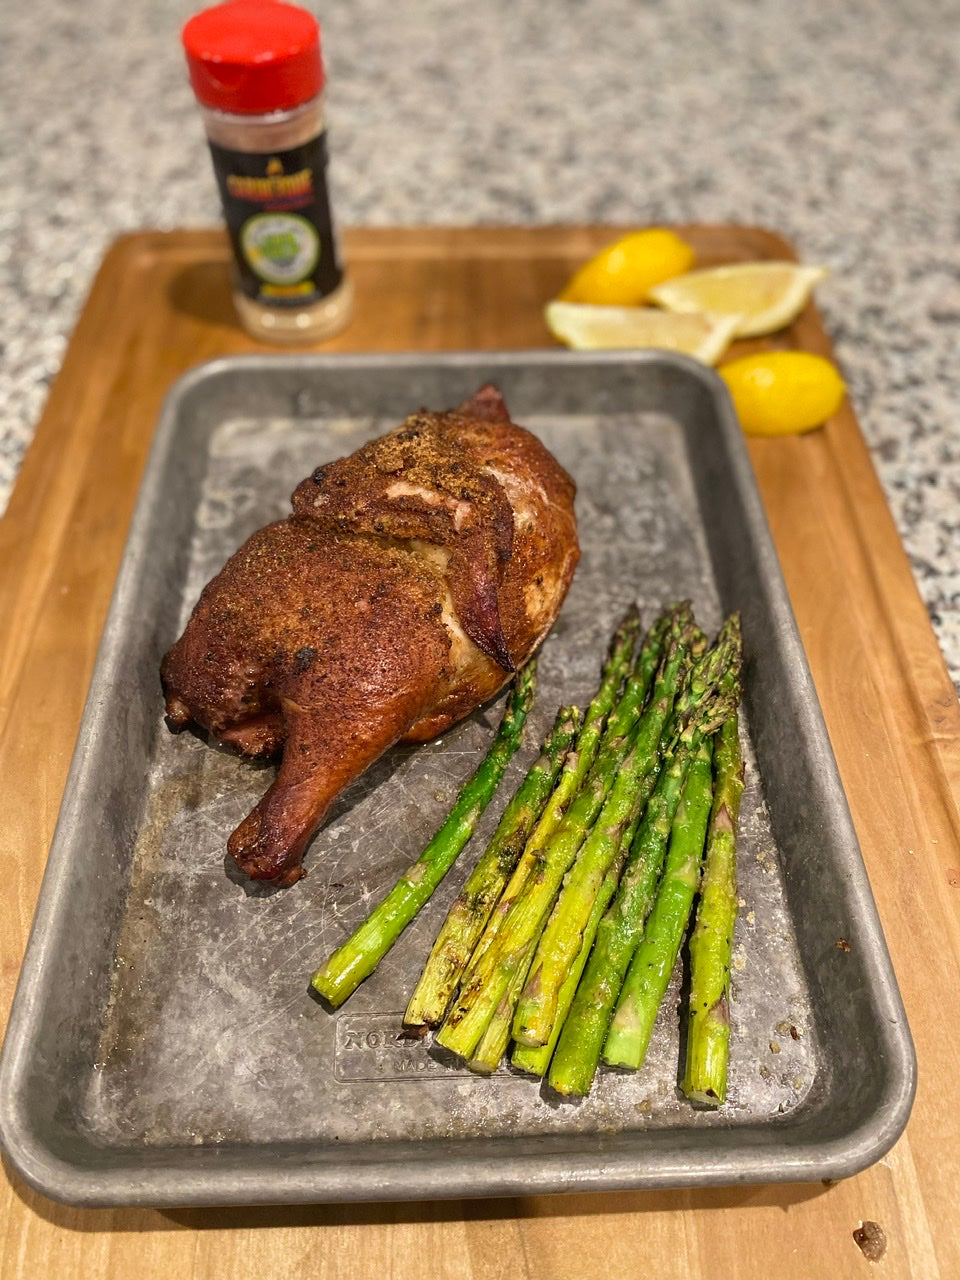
411	579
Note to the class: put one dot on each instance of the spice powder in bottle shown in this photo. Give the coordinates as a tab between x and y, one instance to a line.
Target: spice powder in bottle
257	73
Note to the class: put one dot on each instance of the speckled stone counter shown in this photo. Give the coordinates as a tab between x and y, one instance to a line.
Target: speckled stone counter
839	126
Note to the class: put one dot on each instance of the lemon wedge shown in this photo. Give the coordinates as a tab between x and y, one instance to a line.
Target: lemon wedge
588	328
767	296
621	274
781	393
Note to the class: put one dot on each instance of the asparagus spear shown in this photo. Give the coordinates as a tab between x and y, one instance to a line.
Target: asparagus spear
649	973
493	1043
575	768
486	982
578	1049
495	1038
535	1059
708	1022
562	937
470	911
489	979
357	958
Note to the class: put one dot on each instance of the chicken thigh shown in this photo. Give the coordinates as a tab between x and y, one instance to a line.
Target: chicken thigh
411	579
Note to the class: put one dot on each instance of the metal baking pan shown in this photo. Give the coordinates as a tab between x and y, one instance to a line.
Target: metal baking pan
163	1048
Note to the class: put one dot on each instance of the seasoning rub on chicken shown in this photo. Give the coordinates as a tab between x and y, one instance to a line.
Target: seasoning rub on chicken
411	579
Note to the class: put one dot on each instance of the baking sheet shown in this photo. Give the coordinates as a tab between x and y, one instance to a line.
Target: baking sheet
166	1000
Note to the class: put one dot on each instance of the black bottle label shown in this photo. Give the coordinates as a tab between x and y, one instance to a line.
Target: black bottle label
278	214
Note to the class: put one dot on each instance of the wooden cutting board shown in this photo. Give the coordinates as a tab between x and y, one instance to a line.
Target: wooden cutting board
161	305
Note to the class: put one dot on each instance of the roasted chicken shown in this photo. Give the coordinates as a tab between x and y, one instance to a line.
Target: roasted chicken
411	579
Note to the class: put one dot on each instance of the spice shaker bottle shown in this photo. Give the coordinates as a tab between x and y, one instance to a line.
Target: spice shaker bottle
257	73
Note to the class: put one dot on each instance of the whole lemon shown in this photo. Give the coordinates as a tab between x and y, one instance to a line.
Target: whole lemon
781	393
621	274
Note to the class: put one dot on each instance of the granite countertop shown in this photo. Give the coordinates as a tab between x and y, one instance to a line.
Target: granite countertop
839	126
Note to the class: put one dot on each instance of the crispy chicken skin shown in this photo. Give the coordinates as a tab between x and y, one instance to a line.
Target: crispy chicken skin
411	579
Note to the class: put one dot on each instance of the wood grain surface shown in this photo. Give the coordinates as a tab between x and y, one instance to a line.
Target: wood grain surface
161	305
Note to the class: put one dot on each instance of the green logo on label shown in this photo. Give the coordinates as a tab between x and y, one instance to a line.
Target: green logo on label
281	248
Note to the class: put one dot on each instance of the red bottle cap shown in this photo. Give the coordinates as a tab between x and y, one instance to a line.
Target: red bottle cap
250	57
